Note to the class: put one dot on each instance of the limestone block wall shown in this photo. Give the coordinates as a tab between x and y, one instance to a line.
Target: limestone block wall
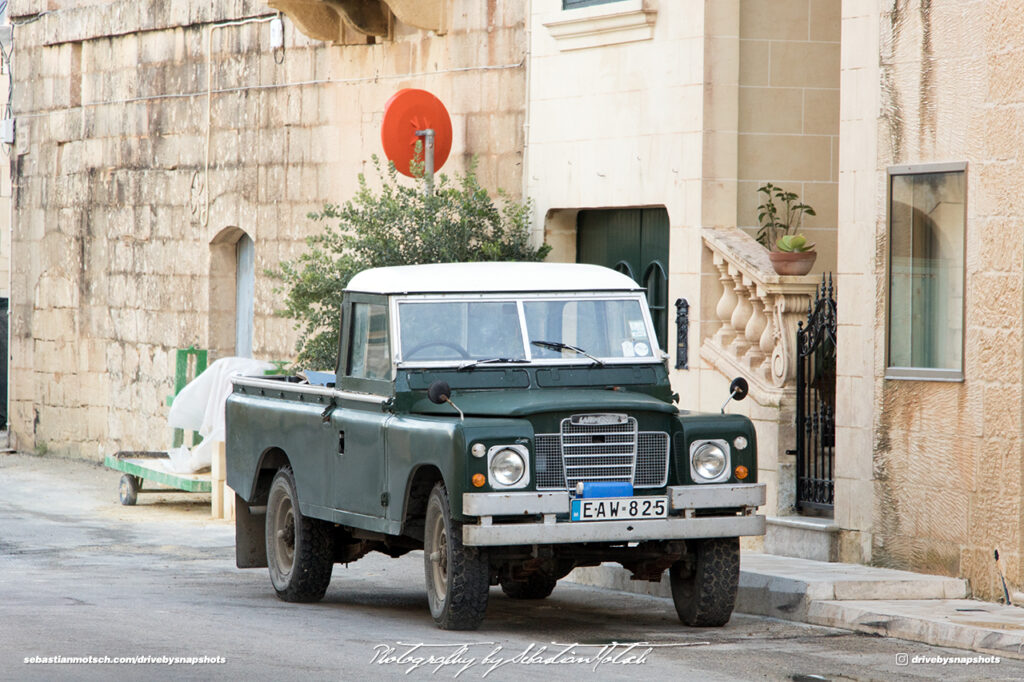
860	278
946	470
770	114
788	118
149	141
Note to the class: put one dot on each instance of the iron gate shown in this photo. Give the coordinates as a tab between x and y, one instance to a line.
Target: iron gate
816	401
4	304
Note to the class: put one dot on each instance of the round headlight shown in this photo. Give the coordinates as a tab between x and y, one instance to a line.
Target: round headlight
708	461
507	467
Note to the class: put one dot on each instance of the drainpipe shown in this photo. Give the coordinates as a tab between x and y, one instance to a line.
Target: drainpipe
526	107
10	245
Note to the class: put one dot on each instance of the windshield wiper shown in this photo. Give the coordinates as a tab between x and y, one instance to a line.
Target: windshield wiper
557	345
491	361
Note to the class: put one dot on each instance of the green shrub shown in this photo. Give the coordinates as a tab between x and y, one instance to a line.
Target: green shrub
399	225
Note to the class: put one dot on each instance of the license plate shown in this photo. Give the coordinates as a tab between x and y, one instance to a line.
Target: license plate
619	508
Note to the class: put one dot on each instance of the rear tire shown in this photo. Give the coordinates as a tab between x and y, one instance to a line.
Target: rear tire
458	578
300	550
704	584
536	586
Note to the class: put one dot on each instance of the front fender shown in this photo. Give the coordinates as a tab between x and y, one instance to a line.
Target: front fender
417	441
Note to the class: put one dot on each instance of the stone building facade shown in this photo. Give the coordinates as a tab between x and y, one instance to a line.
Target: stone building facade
161	142
685	108
933	91
154	138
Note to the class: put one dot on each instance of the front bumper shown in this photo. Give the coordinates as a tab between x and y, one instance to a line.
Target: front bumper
681	524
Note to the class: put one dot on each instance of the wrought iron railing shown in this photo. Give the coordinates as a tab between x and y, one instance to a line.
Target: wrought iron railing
816	400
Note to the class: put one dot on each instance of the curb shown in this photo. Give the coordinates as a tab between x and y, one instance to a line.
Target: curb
928	609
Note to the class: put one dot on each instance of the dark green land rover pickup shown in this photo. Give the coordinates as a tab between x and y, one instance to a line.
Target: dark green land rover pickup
511	420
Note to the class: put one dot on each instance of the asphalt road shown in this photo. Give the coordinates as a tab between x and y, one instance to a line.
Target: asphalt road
82	576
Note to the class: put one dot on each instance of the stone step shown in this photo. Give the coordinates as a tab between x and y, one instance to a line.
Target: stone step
805	537
783	587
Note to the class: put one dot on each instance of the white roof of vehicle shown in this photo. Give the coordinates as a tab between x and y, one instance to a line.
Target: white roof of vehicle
446	278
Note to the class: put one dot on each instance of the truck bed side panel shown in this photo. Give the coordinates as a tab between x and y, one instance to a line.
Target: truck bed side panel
257	424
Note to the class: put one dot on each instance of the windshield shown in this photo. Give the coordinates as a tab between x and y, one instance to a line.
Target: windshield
601	328
460	330
546	330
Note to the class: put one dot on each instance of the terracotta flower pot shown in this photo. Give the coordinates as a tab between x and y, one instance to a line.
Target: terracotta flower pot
792	262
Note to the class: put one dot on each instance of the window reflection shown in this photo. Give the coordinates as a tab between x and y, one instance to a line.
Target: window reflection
926	270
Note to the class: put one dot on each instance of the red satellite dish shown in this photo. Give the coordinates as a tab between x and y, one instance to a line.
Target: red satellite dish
406	112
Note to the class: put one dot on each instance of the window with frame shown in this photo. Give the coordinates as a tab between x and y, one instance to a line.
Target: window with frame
927	236
369	354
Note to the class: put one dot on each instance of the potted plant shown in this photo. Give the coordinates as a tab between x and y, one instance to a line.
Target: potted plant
780	215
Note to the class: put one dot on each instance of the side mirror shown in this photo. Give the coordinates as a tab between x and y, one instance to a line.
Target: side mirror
439	392
738	390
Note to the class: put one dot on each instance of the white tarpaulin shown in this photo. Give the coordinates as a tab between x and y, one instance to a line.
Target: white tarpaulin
199	407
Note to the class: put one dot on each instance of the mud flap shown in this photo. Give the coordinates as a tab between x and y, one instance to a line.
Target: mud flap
250	540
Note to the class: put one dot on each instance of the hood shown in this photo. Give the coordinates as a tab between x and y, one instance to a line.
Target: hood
536	401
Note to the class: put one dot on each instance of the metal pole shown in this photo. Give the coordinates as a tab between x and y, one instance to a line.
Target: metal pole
428	158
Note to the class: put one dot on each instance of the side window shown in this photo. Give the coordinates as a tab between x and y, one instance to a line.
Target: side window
369	354
927	227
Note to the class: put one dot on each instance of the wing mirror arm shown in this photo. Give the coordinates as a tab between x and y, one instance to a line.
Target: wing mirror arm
738	390
440	392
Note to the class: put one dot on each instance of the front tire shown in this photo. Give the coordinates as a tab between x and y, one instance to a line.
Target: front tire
457	578
300	549
704	584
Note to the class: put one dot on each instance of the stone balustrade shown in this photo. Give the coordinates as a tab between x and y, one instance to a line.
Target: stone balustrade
753	326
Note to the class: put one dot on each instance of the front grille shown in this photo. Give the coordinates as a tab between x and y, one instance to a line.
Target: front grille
550	474
610	449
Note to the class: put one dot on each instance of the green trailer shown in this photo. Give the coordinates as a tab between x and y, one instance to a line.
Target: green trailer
140	465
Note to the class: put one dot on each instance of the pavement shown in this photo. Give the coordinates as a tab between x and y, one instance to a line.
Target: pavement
930	609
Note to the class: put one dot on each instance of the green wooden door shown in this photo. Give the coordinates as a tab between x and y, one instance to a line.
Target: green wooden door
633	241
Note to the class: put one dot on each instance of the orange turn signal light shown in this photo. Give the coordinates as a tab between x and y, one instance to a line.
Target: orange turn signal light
479	480
741	472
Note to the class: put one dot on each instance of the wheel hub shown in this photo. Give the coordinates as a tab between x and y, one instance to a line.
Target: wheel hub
439	561
285	537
